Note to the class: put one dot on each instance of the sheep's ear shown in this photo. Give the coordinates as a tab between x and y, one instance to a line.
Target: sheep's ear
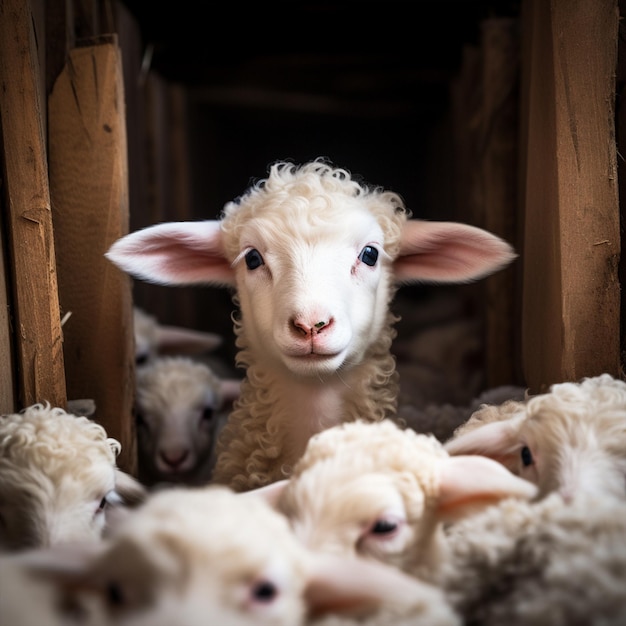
448	252
230	388
179	340
129	489
270	493
496	440
356	587
175	253
470	483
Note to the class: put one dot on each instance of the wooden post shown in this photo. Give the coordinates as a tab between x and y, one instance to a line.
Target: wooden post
35	304
89	189
571	293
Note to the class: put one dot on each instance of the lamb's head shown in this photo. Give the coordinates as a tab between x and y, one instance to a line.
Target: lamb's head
57	477
378	491
315	258
571	439
197	556
177	406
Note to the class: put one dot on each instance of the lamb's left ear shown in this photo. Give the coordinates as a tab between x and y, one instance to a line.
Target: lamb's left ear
175	253
448	252
470	483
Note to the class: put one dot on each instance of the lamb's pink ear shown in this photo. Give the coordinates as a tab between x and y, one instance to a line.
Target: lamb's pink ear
352	586
179	340
496	440
175	253
448	252
230	388
270	493
470	483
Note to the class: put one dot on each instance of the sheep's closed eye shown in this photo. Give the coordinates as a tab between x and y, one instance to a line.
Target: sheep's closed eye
253	259
369	256
526	456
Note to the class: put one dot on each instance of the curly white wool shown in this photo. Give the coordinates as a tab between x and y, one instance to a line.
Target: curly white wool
57	477
381	492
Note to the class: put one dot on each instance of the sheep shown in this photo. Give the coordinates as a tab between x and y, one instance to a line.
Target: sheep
314	258
154	339
546	563
58	478
180	407
570	439
376	490
195	556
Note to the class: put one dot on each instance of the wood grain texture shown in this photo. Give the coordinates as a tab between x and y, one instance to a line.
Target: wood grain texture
35	305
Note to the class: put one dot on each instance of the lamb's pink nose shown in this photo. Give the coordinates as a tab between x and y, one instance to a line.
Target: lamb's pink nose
309	330
174	459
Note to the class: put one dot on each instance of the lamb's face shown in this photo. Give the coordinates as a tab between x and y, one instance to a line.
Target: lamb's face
176	409
313	286
379	515
37	511
196	557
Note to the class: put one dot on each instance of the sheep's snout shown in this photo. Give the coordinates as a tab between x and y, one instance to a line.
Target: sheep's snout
173	460
310	330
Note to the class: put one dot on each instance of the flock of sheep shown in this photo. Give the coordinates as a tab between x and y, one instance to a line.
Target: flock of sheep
299	494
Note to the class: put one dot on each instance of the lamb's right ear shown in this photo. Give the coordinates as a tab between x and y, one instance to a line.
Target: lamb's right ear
130	490
469	483
179	340
175	253
496	440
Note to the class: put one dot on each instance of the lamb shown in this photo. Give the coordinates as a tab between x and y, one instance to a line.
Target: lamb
180	408
570	439
546	563
154	339
373	489
196	556
58	478
314	259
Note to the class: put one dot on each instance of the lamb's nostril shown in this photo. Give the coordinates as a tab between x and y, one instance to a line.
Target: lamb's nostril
174	459
301	327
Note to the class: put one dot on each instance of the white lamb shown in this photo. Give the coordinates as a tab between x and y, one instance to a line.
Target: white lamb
381	492
545	563
314	258
205	556
570	439
180	406
57	478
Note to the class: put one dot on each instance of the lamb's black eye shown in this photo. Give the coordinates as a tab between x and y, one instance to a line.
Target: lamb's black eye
253	259
527	456
369	256
115	595
141	359
207	414
264	591
384	527
140	421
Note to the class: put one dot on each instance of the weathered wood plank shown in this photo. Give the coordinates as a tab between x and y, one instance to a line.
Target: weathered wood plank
571	306
89	189
35	304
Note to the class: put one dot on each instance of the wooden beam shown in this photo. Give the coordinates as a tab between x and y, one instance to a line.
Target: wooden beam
571	292
35	304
